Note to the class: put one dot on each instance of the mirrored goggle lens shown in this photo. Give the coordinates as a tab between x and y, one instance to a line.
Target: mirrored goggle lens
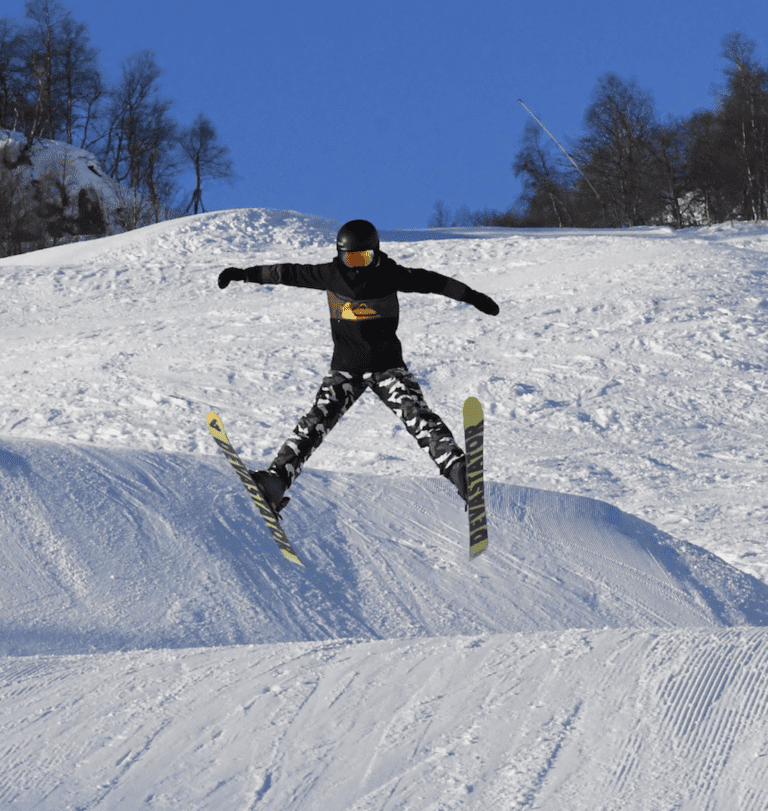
357	259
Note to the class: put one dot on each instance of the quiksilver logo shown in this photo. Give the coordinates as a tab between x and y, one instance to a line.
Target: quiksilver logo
359	312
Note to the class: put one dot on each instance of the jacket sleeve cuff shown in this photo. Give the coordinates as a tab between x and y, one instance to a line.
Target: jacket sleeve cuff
265	274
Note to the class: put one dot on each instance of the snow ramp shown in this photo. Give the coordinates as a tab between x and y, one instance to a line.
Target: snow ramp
107	550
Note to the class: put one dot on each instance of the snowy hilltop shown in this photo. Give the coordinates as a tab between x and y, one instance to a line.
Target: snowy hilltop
607	651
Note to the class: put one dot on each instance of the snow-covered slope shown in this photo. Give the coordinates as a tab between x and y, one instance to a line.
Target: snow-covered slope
566	720
626	366
608	651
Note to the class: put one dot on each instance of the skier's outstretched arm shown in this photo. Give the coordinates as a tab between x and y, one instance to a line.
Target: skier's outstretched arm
462	292
417	280
295	275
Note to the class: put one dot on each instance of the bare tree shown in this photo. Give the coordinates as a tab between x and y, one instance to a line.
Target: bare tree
208	157
162	160
129	103
50	73
744	119
709	167
616	149
94	93
41	58
544	183
140	141
79	81
133	209
668	147
11	74
441	215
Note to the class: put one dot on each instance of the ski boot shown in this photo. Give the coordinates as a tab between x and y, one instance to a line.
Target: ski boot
272	487
458	475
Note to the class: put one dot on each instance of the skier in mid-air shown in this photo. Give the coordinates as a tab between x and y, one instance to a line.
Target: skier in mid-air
362	283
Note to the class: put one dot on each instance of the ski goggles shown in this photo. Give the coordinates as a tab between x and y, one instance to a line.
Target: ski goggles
358	259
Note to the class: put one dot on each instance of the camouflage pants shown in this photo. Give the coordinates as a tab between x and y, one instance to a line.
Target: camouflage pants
397	388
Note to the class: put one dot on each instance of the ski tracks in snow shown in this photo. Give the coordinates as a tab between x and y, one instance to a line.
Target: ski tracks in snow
577	720
699	695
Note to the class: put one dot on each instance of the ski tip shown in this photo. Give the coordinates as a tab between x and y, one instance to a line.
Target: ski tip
473	411
215	425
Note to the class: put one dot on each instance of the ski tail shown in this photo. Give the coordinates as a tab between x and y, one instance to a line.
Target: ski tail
473	436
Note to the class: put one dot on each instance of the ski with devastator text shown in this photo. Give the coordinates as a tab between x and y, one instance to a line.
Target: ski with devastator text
473	443
216	427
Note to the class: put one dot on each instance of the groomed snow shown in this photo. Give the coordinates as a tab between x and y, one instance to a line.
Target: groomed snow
608	651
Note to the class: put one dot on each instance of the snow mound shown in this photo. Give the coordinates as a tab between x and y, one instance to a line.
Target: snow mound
110	550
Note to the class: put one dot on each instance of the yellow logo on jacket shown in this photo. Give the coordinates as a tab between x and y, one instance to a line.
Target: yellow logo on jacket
358	313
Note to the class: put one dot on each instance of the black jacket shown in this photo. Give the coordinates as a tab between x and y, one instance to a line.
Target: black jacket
363	303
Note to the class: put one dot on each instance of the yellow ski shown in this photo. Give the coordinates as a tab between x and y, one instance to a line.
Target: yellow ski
473	438
216	427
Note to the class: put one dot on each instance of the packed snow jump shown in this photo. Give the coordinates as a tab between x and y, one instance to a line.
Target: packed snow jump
362	284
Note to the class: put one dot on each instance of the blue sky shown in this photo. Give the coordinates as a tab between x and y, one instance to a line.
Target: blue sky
378	109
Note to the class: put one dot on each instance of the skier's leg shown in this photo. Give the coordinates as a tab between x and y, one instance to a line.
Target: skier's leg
400	390
338	391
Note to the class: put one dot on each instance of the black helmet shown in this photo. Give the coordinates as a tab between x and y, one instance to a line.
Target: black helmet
357	235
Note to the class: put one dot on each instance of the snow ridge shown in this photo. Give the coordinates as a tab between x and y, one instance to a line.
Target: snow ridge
119	550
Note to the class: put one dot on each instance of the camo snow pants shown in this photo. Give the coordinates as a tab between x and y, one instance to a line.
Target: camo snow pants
397	388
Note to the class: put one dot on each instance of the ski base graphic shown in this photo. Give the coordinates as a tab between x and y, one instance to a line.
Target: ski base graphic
216	427
473	443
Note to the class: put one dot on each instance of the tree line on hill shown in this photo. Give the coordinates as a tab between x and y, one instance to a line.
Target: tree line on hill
632	169
51	87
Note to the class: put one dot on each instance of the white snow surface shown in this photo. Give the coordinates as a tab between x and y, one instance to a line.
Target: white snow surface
608	651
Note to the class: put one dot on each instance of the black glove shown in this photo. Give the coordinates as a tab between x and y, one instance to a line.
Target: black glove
231	275
483	303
